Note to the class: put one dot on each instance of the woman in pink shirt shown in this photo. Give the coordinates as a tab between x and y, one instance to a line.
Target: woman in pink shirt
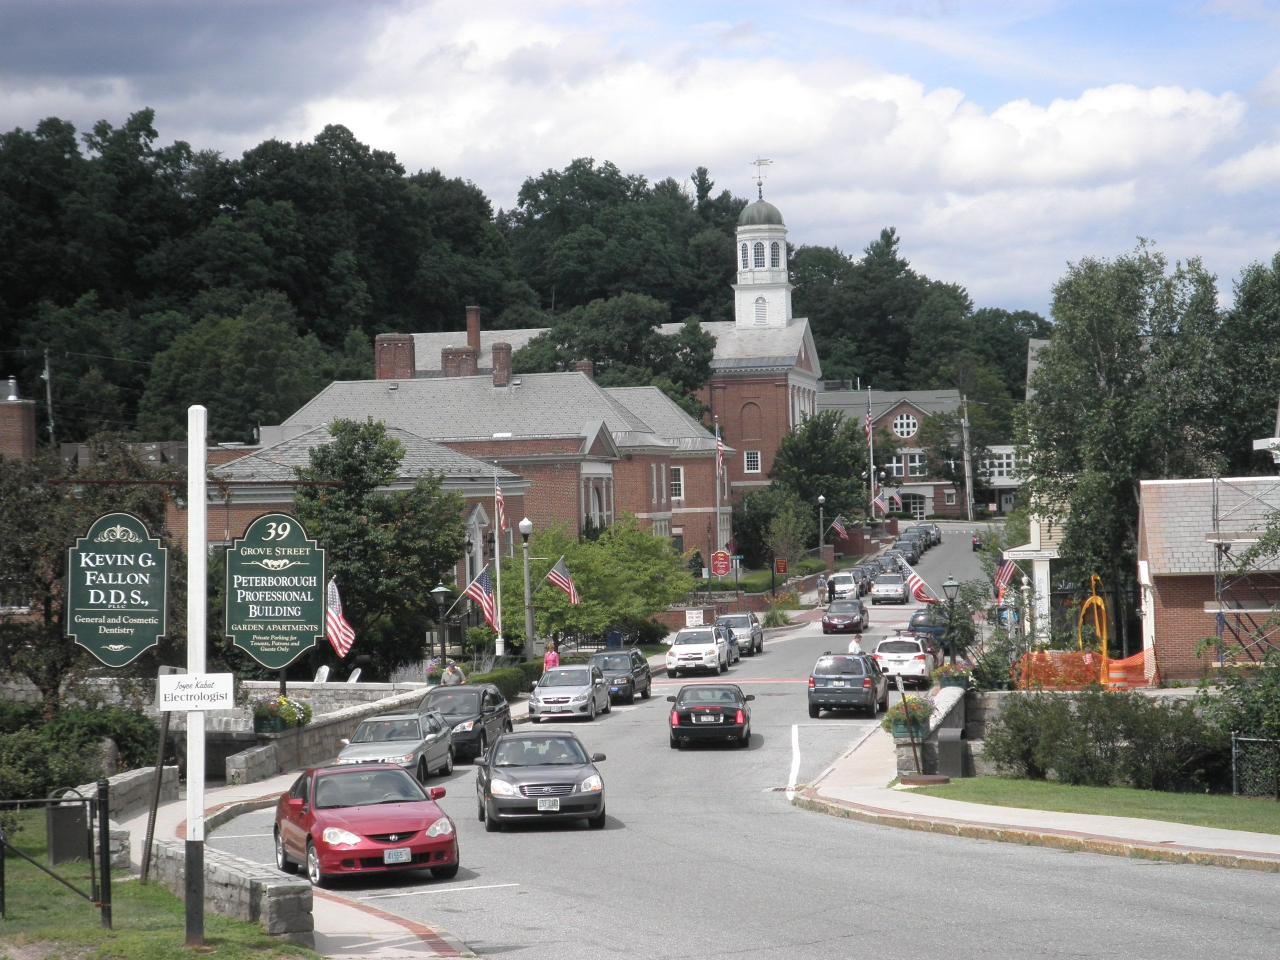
551	658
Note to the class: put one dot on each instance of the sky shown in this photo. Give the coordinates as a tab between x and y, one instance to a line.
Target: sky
1003	140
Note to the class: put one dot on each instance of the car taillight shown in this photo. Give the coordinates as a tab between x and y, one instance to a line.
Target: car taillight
876	656
866	683
675	719
811	683
919	656
740	719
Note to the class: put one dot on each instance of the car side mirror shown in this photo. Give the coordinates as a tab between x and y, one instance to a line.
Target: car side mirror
750	696
345	742
296	803
671	699
597	758
435	793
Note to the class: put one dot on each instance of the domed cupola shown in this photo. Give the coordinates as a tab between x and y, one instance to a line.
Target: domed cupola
760	213
762	295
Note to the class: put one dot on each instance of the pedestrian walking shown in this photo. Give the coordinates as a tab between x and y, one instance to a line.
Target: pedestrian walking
831	589
822	586
452	676
551	659
855	645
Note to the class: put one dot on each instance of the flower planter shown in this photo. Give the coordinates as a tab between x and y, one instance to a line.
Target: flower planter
269	725
962	682
900	731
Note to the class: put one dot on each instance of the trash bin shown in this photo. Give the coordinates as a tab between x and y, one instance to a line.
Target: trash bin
950	752
613	640
68	832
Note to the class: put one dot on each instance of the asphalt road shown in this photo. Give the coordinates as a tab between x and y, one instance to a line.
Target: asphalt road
703	857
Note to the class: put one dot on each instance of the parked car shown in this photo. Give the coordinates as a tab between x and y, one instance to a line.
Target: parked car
421	743
921	537
847	682
573	691
909	549
363	819
889	588
696	649
626	672
935	532
846	585
897	561
845	616
478	714
747	628
710	712
930	621
864	573
539	776
906	657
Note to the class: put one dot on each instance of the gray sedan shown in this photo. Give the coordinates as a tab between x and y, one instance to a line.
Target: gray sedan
539	776
421	743
575	691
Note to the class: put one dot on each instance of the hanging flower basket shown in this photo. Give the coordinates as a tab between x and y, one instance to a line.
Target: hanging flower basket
279	713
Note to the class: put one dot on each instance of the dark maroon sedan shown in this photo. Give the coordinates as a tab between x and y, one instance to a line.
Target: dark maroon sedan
367	819
845	616
710	712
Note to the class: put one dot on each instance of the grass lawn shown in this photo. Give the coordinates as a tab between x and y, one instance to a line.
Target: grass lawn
45	919
1199	809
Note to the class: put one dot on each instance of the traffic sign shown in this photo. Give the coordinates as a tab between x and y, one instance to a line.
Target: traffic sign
720	565
780	566
117	589
275	591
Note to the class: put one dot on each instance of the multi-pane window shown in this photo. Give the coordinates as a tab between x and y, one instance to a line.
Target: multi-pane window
751	461
915	464
757	253
905	425
1000	465
745	262
775	255
896	466
677	483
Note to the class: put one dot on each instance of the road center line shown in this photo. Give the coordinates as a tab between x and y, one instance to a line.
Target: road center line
420	893
795	761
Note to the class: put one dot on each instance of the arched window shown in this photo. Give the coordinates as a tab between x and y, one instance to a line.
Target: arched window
758	252
750	421
762	310
905	425
745	263
775	255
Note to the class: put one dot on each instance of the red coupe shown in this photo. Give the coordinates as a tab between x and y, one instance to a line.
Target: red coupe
367	819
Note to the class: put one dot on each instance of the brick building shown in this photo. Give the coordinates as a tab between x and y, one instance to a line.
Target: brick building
17	424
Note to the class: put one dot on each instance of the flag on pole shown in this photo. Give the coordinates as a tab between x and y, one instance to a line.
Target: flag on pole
336	628
867	426
896	499
559	576
499	504
1004	575
481	591
878	502
839	529
915	583
719	453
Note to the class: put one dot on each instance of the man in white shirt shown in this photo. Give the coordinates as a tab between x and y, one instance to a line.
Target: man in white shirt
855	644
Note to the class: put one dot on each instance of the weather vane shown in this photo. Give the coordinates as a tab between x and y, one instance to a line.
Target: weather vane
760	163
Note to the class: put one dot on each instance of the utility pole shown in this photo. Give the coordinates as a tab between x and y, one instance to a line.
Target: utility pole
48	396
968	458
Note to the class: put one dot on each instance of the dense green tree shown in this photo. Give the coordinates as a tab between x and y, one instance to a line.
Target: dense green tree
825	455
753	518
386	549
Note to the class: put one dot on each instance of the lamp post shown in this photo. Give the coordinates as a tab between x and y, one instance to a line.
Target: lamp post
526	528
822	526
1026	610
951	590
439	594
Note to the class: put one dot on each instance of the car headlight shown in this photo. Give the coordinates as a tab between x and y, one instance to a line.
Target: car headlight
402	758
441	828
580	698
337	837
710	655
465	725
500	788
593	784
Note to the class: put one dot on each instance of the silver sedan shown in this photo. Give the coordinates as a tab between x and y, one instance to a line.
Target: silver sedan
575	691
421	743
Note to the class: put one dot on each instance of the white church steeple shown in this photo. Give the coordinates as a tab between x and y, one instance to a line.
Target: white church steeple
762	295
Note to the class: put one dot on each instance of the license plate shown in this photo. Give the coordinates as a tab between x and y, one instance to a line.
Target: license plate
548	804
397	855
837	683
707	718
613	689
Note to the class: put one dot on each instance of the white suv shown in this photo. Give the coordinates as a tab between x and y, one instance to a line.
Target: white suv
889	588
905	657
846	586
698	649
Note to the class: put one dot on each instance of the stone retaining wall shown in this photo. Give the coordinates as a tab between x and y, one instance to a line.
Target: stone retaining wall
131	791
948	713
241	889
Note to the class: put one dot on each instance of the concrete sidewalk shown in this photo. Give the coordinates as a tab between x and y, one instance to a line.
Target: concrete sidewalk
343	928
857	786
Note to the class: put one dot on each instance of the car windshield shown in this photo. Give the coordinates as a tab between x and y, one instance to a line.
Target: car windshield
843	608
898	646
735	621
380	731
842	577
838	667
361	789
693	636
617	661
888	580
708	695
538	752
565	678
454	701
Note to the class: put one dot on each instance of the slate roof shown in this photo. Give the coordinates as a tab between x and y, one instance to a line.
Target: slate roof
853	403
1176	517
427	346
277	462
535	405
665	417
746	348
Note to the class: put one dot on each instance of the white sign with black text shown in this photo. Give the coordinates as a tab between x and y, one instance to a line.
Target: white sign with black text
195	691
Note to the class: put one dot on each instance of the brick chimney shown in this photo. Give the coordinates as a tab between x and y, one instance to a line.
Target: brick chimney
17	424
587	367
393	356
473	329
501	364
459	362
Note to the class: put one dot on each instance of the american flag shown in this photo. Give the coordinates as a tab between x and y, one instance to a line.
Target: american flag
1004	575
559	576
919	589
481	591
878	503
896	500
867	426
340	634
719	454
499	505
838	527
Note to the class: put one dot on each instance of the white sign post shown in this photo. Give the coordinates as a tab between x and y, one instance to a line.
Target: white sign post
207	691
197	609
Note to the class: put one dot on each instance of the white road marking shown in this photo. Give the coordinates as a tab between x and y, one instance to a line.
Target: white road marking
795	761
421	893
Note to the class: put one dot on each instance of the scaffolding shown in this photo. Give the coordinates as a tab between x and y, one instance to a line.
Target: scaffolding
1246	570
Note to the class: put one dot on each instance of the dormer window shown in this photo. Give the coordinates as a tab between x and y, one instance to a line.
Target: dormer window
745	263
775	255
758	255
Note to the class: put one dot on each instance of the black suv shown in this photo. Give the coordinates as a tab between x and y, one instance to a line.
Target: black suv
478	714
627	673
847	681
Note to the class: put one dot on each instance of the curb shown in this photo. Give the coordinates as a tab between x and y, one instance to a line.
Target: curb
1067	840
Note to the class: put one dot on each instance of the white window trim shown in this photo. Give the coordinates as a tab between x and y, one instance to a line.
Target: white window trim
914	460
677	483
900	423
949	497
746	461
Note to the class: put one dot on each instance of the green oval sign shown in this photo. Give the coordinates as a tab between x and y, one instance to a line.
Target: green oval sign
275	591
117	589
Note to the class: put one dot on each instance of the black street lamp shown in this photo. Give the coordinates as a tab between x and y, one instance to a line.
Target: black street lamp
951	590
439	594
526	528
822	526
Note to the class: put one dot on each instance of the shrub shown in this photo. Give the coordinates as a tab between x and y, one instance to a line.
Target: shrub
135	735
512	681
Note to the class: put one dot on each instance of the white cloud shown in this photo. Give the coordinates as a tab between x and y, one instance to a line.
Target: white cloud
1259	167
